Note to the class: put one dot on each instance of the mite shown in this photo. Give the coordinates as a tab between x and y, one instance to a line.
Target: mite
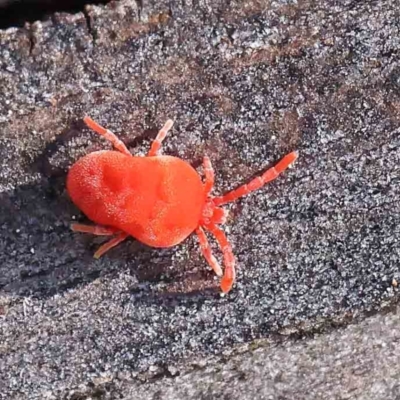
159	200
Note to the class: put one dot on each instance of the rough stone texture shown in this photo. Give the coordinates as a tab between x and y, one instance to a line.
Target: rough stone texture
246	82
359	362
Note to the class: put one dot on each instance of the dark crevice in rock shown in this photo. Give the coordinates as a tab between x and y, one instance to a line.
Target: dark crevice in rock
32	40
140	8
15	13
89	25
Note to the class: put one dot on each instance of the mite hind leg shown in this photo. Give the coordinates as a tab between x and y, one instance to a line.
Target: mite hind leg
108	135
94	229
156	145
101	231
110	244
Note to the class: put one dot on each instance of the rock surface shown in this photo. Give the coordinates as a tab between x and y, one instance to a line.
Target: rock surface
246	83
359	362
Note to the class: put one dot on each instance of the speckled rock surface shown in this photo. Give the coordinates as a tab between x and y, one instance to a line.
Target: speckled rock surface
246	83
359	362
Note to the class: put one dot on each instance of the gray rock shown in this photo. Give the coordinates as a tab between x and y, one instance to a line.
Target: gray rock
246	82
359	362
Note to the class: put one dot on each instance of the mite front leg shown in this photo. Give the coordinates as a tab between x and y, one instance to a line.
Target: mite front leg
258	182
111	137
110	244
207	253
229	259
209	174
94	229
156	145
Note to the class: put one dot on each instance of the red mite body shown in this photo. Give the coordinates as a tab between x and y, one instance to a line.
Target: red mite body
159	200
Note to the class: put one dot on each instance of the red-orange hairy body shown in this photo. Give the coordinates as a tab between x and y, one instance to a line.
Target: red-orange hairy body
158	200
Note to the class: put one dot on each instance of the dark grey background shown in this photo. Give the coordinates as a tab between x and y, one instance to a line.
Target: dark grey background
18	12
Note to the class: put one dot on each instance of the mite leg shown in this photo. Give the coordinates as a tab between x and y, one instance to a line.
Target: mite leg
229	259
156	145
258	182
110	244
206	250
111	137
210	176
94	229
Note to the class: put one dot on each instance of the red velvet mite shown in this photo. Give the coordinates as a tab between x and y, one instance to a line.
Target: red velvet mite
159	200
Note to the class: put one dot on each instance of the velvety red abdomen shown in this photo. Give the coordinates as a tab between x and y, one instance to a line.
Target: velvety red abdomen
157	200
